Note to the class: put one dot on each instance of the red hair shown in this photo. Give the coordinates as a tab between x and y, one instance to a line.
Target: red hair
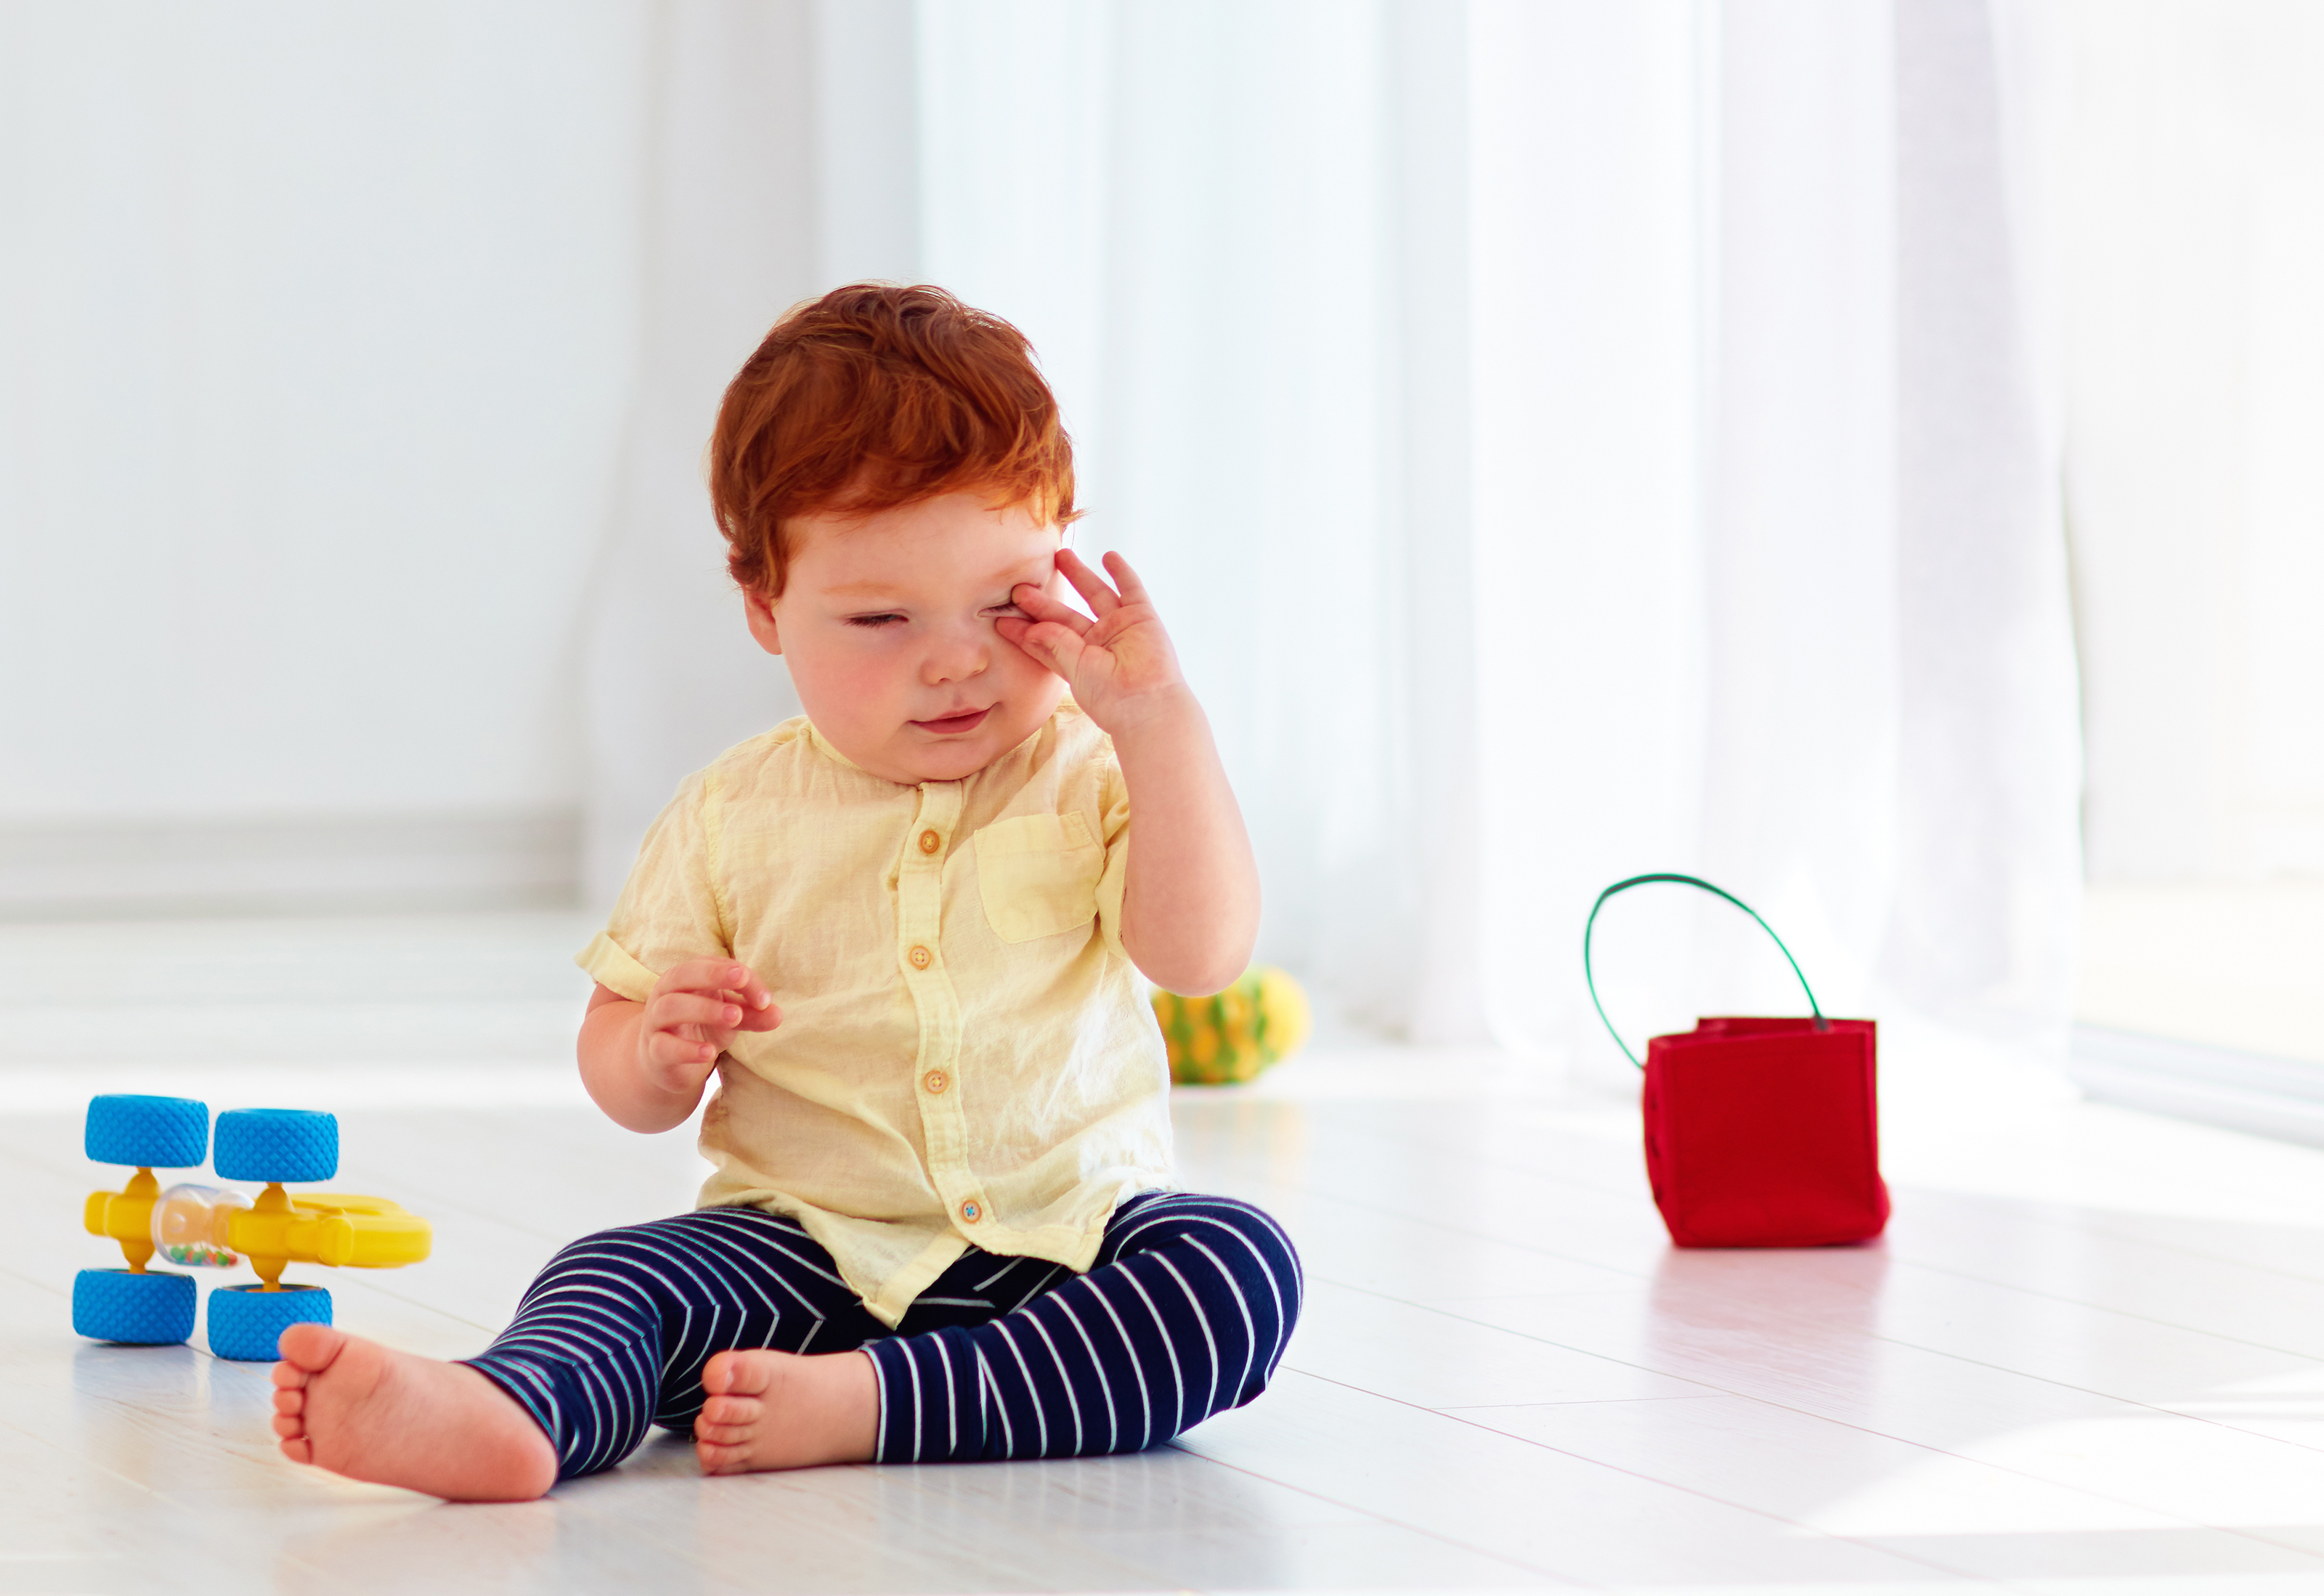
876	396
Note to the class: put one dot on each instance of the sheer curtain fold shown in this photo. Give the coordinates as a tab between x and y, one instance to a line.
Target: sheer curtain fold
1985	915
1567	439
774	168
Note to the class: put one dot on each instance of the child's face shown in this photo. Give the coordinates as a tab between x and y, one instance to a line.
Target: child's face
887	625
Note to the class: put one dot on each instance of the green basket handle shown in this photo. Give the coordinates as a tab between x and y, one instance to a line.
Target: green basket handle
1686	881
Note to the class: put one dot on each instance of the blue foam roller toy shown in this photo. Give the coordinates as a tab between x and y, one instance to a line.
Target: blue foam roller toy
141	1308
277	1144
146	1132
247	1321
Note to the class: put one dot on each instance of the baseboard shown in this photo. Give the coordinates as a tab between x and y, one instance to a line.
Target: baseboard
371	865
2282	1098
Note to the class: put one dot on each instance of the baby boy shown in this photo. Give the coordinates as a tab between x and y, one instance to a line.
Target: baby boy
904	932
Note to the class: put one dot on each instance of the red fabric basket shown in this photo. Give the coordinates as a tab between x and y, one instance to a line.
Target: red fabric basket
1760	1132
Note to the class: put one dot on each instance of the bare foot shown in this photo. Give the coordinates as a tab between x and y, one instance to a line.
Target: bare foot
369	1412
779	1410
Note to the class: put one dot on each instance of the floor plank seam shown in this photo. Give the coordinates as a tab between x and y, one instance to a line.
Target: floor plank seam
1846	1423
1696	1491
1890	1338
1372	1513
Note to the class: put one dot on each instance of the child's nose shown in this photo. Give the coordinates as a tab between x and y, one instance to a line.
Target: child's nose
957	657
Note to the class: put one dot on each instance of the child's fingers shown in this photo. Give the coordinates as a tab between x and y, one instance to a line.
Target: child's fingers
765	1019
1133	591
1101	600
1013	628
674	1009
738	982
1057	647
1040	606
668	1050
702	975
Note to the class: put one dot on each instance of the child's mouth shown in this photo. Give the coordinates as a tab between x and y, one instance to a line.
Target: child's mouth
952	725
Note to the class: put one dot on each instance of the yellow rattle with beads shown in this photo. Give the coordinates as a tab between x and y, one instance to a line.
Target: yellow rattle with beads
217	1227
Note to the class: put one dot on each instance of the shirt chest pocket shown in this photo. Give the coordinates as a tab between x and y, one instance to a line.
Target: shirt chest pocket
1038	875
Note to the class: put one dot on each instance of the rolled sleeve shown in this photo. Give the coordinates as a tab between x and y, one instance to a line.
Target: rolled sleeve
670	911
610	965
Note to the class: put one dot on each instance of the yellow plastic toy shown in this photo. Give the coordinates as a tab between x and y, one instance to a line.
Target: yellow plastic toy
216	1227
1231	1035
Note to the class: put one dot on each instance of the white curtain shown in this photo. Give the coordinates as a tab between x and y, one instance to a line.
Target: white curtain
671	675
780	159
1567	439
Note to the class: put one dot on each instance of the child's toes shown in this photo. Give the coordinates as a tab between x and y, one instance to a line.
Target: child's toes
721	1460
289	1402
297	1449
741	1374
732	1410
719	1431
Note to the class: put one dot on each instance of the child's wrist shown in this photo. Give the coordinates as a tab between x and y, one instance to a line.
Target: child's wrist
1158	713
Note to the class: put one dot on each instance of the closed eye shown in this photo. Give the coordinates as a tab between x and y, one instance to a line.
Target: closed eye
880	619
1006	612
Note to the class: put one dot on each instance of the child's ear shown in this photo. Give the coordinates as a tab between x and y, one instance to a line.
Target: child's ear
760	616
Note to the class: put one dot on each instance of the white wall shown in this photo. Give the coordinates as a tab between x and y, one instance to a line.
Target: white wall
2193	291
317	326
2194	301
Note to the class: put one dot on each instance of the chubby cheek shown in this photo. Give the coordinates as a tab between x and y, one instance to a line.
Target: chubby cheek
848	687
1030	687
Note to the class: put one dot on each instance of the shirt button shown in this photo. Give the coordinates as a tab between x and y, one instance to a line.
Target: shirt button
930	842
921	957
971	1211
935	1080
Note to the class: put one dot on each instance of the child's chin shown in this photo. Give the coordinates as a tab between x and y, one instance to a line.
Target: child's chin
948	759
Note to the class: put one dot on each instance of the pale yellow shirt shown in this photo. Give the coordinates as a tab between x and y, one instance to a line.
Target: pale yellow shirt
966	1054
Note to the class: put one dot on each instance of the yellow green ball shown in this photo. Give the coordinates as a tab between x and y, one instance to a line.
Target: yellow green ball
1231	1035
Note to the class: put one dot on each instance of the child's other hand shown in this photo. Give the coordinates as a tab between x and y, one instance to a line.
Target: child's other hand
694	1013
1120	665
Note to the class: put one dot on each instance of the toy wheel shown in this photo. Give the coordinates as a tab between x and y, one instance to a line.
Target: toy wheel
246	1322
147	1310
277	1144
149	1132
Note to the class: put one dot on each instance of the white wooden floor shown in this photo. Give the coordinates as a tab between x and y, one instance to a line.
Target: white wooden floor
2088	1358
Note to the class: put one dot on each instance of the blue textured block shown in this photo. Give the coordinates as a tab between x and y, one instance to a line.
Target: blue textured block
147	1132
277	1144
148	1310
247	1321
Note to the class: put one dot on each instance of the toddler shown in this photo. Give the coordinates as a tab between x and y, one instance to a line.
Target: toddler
904	931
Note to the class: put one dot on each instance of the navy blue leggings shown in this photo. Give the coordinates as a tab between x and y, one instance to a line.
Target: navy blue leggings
1185	1314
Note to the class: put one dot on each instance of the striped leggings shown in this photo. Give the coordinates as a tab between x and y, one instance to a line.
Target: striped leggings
1185	1314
